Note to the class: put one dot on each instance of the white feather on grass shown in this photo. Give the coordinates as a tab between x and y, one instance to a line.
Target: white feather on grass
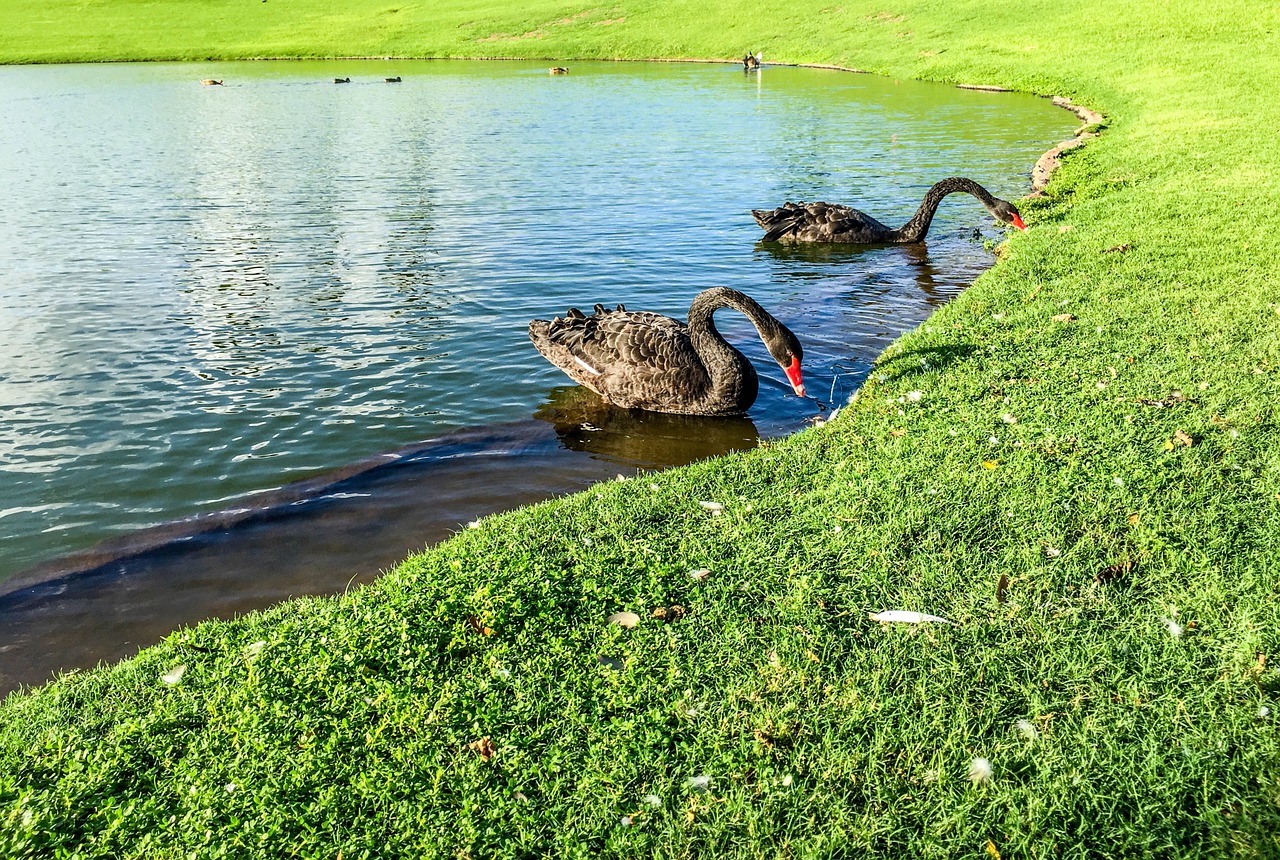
174	675
905	616
980	771
699	783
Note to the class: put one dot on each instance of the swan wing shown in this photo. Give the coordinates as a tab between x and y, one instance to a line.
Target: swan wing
631	358
817	222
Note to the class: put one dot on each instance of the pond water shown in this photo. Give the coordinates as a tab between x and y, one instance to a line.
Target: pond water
208	293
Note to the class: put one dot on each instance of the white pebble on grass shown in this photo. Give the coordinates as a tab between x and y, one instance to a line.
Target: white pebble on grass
714	507
174	675
787	780
979	771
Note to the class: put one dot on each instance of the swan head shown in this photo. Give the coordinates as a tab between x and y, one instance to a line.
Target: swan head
786	350
1006	213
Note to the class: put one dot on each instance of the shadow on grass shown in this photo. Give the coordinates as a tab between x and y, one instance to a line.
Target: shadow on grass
914	362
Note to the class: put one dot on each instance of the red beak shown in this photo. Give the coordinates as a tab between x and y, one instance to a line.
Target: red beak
1017	221
793	374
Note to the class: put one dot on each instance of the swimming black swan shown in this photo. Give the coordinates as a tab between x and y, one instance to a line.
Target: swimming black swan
648	361
829	222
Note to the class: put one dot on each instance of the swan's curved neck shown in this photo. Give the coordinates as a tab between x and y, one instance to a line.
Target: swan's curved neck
727	368
916	229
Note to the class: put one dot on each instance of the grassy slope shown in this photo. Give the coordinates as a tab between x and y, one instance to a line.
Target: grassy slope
823	733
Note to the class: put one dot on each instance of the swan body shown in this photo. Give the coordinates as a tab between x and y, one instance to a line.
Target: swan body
641	360
750	62
210	82
394	80
831	222
342	80
559	70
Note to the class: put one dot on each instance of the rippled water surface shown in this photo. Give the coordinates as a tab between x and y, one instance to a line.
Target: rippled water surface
208	292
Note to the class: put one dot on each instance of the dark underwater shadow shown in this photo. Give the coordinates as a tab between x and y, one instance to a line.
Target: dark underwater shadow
877	263
584	421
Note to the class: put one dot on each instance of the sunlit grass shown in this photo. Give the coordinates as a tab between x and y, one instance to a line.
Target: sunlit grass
1018	466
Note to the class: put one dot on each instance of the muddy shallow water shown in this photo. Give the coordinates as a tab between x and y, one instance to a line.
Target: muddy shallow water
208	294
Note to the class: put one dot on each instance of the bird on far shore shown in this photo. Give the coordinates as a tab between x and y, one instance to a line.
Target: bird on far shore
342	80
648	361
831	222
559	70
394	80
751	62
210	82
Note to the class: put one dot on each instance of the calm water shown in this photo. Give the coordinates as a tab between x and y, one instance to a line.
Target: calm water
211	292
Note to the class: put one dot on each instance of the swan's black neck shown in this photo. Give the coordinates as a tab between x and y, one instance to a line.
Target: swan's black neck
731	375
918	227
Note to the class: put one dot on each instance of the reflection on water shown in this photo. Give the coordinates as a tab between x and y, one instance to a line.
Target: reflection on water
257	283
585	422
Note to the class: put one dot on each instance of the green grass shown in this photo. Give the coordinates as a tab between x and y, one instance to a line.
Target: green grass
994	441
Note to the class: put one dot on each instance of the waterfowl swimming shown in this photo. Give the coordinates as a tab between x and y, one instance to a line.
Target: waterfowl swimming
394	80
641	360
559	70
830	222
750	62
342	80
210	82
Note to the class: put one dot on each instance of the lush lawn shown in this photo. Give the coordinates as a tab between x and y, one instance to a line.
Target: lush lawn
1114	588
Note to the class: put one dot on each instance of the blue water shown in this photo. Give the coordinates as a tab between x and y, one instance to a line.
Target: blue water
207	292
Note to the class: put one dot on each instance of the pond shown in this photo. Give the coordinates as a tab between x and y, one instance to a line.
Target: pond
208	293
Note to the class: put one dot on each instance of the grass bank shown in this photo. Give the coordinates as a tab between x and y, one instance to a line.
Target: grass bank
1077	461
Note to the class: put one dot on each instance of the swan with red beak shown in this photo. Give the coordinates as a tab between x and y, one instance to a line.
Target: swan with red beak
641	360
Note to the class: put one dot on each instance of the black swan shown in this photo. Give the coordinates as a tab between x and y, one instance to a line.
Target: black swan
559	70
644	360
829	222
342	80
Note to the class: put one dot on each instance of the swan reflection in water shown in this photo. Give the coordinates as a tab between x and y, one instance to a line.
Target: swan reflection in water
584	421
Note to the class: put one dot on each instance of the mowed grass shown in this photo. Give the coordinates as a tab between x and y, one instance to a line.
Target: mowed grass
1077	462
